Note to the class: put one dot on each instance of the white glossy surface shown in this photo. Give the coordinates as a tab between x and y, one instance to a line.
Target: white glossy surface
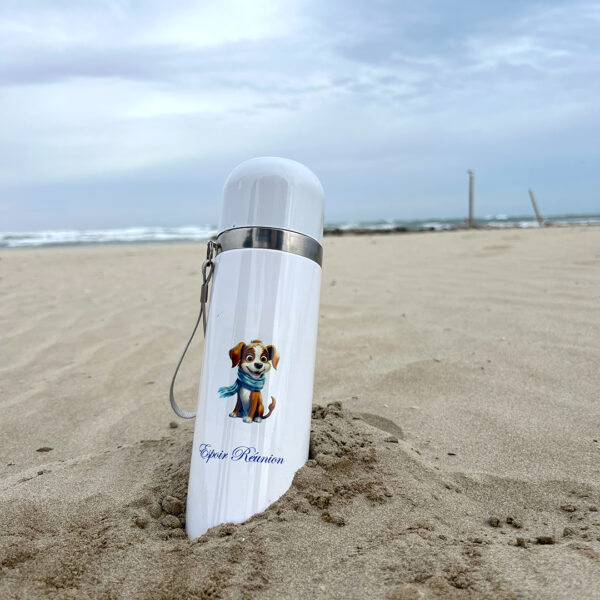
272	296
273	192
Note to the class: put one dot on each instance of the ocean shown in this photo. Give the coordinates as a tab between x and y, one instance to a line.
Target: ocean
191	233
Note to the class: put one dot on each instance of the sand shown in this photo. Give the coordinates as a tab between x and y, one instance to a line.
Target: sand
456	445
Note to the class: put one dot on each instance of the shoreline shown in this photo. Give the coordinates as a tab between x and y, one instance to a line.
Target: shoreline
337	231
331	232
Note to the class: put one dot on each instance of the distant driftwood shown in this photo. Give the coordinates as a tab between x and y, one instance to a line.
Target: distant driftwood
363	230
538	216
394	229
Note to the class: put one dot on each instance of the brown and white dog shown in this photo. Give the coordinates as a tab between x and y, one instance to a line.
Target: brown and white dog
253	361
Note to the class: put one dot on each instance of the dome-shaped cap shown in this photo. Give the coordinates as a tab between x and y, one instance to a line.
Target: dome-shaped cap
273	192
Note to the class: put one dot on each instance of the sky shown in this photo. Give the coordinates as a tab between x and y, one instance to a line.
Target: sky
128	112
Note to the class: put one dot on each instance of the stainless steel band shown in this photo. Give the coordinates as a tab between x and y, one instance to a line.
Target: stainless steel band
271	239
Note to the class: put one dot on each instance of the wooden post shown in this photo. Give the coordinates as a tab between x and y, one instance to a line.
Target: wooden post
535	208
471	186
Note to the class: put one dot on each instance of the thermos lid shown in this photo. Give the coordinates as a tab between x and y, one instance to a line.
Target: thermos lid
273	192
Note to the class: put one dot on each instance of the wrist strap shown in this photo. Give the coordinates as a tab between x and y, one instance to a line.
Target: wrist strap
207	272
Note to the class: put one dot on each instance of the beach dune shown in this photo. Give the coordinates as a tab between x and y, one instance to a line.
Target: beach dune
456	430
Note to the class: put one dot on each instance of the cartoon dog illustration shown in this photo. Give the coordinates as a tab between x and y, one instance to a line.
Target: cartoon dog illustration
253	361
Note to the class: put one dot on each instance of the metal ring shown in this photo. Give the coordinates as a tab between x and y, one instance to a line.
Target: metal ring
270	238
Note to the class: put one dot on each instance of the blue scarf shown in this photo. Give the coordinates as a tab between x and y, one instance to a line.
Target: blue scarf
243	381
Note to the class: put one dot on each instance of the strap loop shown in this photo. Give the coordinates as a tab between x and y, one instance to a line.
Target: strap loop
207	273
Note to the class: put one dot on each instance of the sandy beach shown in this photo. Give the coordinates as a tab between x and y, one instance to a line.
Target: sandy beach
470	466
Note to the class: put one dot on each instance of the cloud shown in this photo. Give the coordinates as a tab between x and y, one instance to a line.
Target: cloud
367	94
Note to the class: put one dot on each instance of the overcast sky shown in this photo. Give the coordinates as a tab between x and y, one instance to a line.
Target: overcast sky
116	113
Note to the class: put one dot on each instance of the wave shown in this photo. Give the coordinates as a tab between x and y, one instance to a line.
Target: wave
148	235
88	237
489	221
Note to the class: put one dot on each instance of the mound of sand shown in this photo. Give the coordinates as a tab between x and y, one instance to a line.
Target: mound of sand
365	513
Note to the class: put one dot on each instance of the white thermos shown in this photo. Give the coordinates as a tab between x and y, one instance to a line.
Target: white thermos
254	405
